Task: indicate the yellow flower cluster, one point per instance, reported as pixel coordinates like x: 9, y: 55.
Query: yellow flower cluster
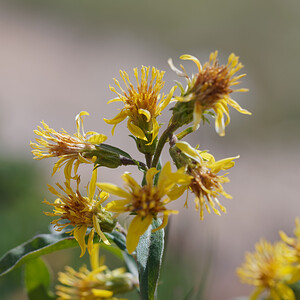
x: 273, y: 267
x: 197, y: 171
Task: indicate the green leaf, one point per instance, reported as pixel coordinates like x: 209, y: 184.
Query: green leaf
x: 37, y: 246
x: 114, y: 149
x: 47, y: 243
x: 37, y: 280
x: 118, y: 238
x: 149, y: 258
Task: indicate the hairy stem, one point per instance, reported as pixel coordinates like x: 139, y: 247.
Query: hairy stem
x: 163, y: 139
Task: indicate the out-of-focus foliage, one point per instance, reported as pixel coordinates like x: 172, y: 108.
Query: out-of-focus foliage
x: 20, y: 214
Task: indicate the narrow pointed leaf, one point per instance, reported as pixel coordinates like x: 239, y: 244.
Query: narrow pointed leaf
x: 39, y: 245
x: 149, y: 258
x: 114, y: 149
x: 47, y: 243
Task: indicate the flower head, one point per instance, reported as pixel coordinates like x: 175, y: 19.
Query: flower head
x: 146, y: 202
x: 98, y: 284
x: 294, y: 243
x: 269, y: 268
x: 209, y: 89
x: 142, y: 104
x: 81, y: 213
x: 69, y: 149
x: 206, y: 184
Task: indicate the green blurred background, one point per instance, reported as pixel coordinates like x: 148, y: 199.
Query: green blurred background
x: 59, y: 57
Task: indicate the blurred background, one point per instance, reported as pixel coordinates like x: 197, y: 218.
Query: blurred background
x: 58, y: 57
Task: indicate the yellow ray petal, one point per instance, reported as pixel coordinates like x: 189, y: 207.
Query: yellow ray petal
x: 79, y: 235
x: 92, y: 186
x: 235, y: 105
x: 102, y: 293
x: 146, y: 113
x: 137, y: 227
x: 163, y: 224
x: 188, y: 150
x: 219, y: 122
x: 155, y: 130
x: 117, y: 205
x: 163, y: 103
x: 197, y: 115
x: 164, y: 177
x: 136, y: 131
x: 97, y: 139
x: 177, y: 191
x: 130, y: 181
x: 150, y: 175
x: 79, y: 121
x: 94, y: 257
x: 223, y: 164
x: 99, y: 231
x: 117, y: 119
x: 193, y: 58
x: 112, y: 189
x: 91, y: 241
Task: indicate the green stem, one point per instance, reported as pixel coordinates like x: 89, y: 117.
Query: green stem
x: 163, y: 139
x: 184, y: 133
x: 131, y: 162
x: 148, y: 158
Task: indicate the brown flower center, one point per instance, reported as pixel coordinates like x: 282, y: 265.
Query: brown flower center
x: 211, y: 85
x: 203, y: 181
x: 146, y: 201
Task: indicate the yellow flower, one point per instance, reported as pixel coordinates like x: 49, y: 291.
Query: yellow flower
x: 206, y: 184
x: 69, y: 149
x: 146, y: 201
x: 209, y: 89
x: 269, y: 268
x: 81, y: 213
x: 98, y: 284
x: 142, y: 104
x: 295, y: 244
